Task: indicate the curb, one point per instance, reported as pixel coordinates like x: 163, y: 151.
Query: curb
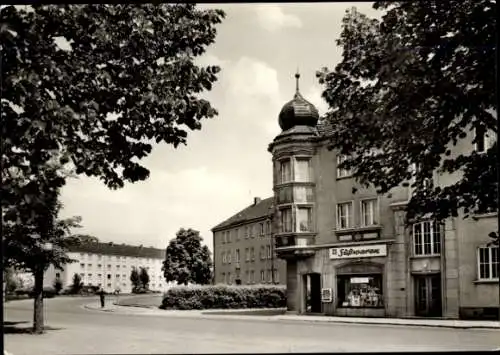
x: 392, y: 323
x: 229, y: 315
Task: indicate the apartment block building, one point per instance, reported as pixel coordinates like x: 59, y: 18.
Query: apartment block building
x: 348, y: 251
x: 243, y: 250
x: 108, y: 265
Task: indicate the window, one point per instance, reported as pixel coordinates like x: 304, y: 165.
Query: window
x: 82, y: 265
x: 342, y: 172
x: 237, y: 234
x: 426, y: 238
x: 99, y: 265
x: 303, y: 170
x: 82, y: 255
x: 109, y: 285
x: 261, y: 225
x: 237, y: 256
x: 223, y: 257
x: 99, y: 257
x: 124, y: 275
x: 247, y: 232
x: 262, y: 276
x: 229, y: 278
x: 252, y: 253
x: 360, y: 291
x: 304, y: 219
x: 229, y: 257
x: 109, y: 266
x: 58, y: 274
x: 99, y: 275
x: 223, y: 276
x: 276, y: 276
x: 117, y: 266
x: 285, y: 171
x: 285, y: 195
x: 109, y: 276
x: 89, y: 275
x: 82, y: 274
x: 344, y: 215
x: 303, y: 194
x: 268, y: 252
x: 369, y: 212
x: 89, y: 265
x: 252, y: 276
x: 117, y: 276
x: 488, y: 263
x: 268, y: 227
x: 247, y: 276
x: 229, y: 236
x: 286, y: 220
x: 247, y: 254
x: 262, y: 252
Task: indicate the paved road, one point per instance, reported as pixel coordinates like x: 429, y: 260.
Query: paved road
x: 83, y: 331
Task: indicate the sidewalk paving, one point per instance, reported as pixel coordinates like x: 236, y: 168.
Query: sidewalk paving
x: 229, y: 314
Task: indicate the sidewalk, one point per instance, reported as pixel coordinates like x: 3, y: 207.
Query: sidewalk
x: 249, y: 314
x: 447, y: 323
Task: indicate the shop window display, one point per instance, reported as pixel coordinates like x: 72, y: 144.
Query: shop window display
x: 360, y: 291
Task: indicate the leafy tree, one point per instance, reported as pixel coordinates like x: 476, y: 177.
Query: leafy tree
x: 58, y: 285
x: 135, y: 279
x: 186, y: 260
x: 126, y: 79
x: 11, y: 282
x: 410, y: 87
x: 144, y: 278
x: 77, y: 284
x: 33, y: 244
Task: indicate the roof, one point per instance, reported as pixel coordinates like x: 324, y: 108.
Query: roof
x: 254, y: 211
x: 118, y: 249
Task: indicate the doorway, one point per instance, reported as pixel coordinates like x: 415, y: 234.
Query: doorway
x: 428, y: 295
x: 312, y: 283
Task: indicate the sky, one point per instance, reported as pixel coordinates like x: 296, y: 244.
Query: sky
x: 225, y: 164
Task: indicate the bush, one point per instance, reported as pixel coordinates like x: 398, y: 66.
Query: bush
x: 224, y: 297
x: 48, y: 292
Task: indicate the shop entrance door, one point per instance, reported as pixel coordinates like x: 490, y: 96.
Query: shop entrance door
x: 313, y: 292
x: 428, y: 295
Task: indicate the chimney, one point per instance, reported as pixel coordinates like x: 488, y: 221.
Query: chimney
x: 256, y: 200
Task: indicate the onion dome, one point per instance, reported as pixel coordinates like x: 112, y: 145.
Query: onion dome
x: 298, y: 112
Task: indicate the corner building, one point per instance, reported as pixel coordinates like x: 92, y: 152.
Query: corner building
x: 348, y: 252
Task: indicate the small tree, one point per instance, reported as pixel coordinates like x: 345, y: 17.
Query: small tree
x: 11, y: 282
x: 135, y: 279
x: 144, y: 278
x: 77, y: 284
x: 58, y: 285
x: 186, y: 260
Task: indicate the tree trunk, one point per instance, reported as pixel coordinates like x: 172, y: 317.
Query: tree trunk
x: 38, y: 306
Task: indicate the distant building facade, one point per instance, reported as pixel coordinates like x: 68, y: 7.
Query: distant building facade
x: 243, y: 250
x: 348, y: 252
x: 108, y: 265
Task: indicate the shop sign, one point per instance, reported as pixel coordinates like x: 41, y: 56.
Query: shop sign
x: 326, y: 295
x: 359, y: 251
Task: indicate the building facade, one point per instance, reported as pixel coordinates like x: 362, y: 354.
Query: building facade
x: 107, y: 265
x: 243, y: 249
x: 347, y: 250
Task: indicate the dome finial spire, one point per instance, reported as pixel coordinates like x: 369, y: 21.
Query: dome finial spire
x: 297, y: 77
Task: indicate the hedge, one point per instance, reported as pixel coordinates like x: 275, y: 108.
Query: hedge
x: 224, y: 297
